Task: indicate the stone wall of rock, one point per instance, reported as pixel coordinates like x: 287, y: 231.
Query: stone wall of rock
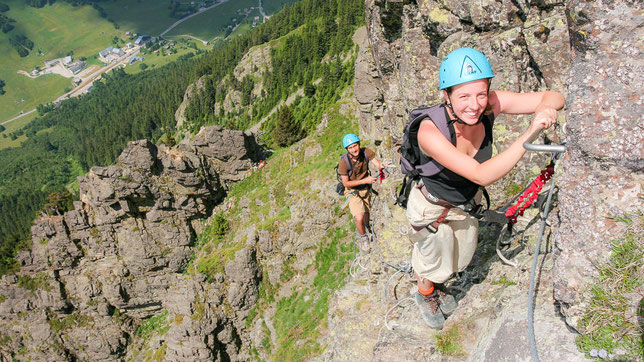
x: 255, y: 63
x: 602, y: 174
x: 97, y: 272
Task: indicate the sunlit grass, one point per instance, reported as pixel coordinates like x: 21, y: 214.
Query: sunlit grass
x: 212, y: 23
x: 14, y: 126
x: 611, y: 321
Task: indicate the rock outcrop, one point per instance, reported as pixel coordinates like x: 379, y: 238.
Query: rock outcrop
x: 602, y: 174
x: 180, y: 114
x: 96, y: 273
x: 255, y: 63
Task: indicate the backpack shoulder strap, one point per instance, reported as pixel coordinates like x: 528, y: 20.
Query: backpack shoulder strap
x: 424, y: 165
x: 364, y: 153
x: 436, y: 114
x: 346, y: 159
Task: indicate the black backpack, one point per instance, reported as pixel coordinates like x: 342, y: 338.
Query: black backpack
x: 413, y: 163
x: 339, y: 188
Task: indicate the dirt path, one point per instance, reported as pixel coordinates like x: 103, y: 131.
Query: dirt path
x: 192, y: 37
x: 261, y: 11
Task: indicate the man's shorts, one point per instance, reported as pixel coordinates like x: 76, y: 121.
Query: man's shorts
x: 360, y: 202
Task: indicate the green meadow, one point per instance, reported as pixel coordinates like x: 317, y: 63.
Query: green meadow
x: 212, y: 23
x: 55, y: 30
x: 149, y: 17
x: 5, y: 140
x: 161, y: 58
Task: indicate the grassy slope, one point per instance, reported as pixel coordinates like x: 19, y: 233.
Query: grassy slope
x: 142, y: 16
x: 12, y: 127
x: 298, y: 318
x: 55, y: 30
x: 212, y: 23
x: 158, y: 59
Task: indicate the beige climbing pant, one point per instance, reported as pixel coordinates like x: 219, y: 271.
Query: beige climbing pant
x: 360, y: 202
x: 450, y: 249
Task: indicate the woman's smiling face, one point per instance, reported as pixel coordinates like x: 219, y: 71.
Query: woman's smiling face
x: 468, y: 100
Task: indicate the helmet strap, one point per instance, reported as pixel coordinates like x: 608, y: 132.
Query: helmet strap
x: 457, y: 120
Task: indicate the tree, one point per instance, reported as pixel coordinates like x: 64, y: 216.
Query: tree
x: 287, y: 131
x: 58, y: 203
x: 36, y: 3
x: 4, y: 7
x: 5, y: 23
x: 143, y: 66
x: 309, y: 90
x: 2, y: 84
x: 21, y: 44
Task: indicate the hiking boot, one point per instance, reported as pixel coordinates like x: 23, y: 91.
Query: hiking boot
x: 446, y: 302
x: 363, y: 242
x: 430, y: 309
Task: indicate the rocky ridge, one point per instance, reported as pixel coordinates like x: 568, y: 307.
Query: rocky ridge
x: 96, y: 272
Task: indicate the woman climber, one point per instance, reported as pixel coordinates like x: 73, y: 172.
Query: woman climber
x: 446, y: 235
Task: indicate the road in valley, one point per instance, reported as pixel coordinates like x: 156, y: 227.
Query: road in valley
x: 189, y: 16
x: 14, y: 118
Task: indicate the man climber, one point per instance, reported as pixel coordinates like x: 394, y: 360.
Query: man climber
x: 357, y: 182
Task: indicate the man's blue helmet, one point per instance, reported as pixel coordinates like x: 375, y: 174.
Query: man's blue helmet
x: 463, y: 65
x: 349, y: 139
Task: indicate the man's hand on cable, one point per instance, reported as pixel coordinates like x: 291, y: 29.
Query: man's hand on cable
x: 369, y: 180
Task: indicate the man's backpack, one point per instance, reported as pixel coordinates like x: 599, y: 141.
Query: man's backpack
x: 339, y: 188
x: 413, y: 163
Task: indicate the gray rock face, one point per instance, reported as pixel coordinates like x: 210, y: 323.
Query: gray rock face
x: 601, y: 176
x: 180, y: 114
x: 243, y: 275
x: 95, y: 273
x: 230, y: 153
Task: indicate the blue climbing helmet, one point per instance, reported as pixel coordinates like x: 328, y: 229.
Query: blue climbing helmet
x: 463, y: 65
x: 349, y: 139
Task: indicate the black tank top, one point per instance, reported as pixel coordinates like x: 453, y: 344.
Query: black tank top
x: 452, y: 187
